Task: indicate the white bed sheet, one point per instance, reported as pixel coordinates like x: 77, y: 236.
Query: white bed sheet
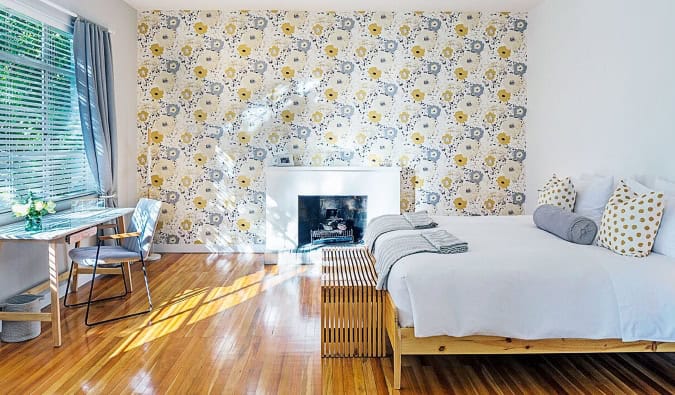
x: 519, y: 281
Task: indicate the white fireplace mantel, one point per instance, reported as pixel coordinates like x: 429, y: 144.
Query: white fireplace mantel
x: 285, y: 184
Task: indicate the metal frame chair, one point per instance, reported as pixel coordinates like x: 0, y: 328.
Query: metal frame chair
x: 74, y: 266
x: 143, y: 225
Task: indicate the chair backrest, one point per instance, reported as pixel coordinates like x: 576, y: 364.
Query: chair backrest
x: 144, y: 220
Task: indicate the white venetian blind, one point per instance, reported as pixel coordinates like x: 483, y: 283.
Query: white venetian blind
x: 41, y: 147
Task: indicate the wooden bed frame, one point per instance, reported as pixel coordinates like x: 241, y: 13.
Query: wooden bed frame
x: 404, y: 342
x: 349, y: 274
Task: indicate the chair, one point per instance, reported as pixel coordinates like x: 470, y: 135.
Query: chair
x: 75, y: 270
x: 134, y: 246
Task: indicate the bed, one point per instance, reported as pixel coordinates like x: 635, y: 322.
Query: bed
x: 522, y: 290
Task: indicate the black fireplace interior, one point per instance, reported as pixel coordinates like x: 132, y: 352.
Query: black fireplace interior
x: 331, y: 219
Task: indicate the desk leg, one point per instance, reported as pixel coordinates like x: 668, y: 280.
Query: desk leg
x: 54, y: 293
x: 121, y: 228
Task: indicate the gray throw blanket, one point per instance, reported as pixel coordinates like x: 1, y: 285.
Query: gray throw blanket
x: 389, y: 223
x: 419, y: 219
x: 391, y: 251
x: 445, y: 242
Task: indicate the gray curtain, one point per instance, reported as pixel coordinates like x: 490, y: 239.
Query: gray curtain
x: 94, y: 76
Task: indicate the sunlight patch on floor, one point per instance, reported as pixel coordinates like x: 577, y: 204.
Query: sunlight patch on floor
x: 192, y: 306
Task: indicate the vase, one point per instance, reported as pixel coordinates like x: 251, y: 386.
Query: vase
x: 33, y: 224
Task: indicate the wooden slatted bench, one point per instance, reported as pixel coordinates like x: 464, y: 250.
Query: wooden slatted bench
x: 352, y: 310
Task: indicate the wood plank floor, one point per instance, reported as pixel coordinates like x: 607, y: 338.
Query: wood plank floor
x: 227, y: 324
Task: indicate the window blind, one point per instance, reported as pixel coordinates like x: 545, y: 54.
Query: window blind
x: 41, y: 147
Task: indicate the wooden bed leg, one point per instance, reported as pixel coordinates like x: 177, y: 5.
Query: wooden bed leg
x: 394, y: 334
x: 397, y: 365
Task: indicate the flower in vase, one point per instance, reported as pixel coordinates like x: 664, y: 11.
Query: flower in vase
x: 20, y: 210
x: 31, y: 206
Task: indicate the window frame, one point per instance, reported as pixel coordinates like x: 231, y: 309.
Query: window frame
x: 48, y: 102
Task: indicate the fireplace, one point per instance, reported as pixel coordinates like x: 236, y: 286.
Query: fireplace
x: 350, y: 190
x: 330, y: 219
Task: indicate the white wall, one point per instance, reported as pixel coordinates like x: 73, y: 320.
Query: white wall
x: 23, y: 265
x: 601, y: 89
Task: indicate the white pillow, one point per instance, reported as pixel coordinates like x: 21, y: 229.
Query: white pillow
x: 668, y: 186
x: 593, y: 192
x: 636, y: 186
x: 665, y: 239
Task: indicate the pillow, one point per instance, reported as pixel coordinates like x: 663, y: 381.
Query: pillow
x: 636, y: 186
x: 664, y: 184
x: 564, y: 224
x: 665, y: 239
x: 631, y: 221
x: 593, y: 192
x: 558, y: 192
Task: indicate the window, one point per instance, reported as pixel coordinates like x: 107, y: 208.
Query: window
x: 41, y: 147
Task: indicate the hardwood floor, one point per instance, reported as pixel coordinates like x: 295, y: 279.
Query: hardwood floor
x: 520, y: 374
x: 227, y: 324
x: 222, y: 324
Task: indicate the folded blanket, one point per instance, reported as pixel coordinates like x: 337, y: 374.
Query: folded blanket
x: 420, y: 220
x: 395, y: 248
x: 445, y: 242
x: 389, y: 223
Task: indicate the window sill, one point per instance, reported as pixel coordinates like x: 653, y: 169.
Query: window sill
x: 6, y: 217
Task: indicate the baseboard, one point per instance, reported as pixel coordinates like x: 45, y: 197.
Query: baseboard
x: 207, y: 249
x: 292, y: 257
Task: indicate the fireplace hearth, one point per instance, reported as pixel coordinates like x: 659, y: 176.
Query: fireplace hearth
x: 331, y: 219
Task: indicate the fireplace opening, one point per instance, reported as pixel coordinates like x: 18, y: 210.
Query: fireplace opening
x: 331, y: 219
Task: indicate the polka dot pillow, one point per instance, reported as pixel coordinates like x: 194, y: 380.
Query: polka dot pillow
x: 630, y: 221
x: 558, y: 192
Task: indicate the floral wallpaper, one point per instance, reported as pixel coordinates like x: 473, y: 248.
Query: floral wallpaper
x: 220, y: 94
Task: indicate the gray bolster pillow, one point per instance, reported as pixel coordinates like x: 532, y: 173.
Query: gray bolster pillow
x: 565, y: 224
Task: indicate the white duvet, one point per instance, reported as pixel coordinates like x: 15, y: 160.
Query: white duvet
x: 519, y: 281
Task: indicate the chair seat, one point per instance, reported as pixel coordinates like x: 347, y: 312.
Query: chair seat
x: 109, y: 256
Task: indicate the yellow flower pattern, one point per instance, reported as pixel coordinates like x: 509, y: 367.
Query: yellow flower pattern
x: 221, y: 93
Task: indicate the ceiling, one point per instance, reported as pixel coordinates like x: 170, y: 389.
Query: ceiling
x: 341, y: 5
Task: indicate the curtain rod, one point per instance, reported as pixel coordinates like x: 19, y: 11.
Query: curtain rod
x: 66, y: 11
x: 59, y: 8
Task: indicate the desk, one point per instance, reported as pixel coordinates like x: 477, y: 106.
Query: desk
x: 59, y: 228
